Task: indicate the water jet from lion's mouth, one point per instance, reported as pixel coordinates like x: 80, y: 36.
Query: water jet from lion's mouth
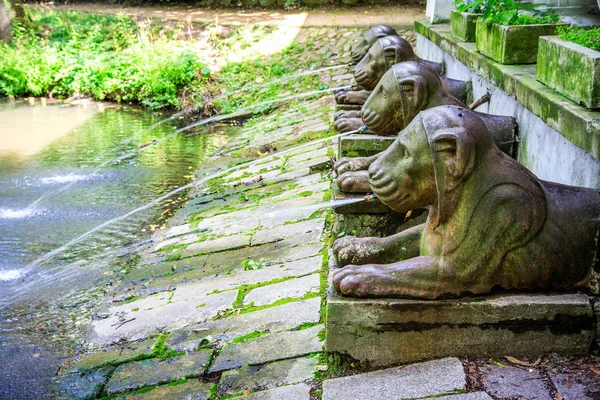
x: 281, y: 80
x: 25, y: 272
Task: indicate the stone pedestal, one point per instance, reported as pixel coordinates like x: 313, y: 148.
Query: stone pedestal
x: 363, y: 145
x: 383, y: 332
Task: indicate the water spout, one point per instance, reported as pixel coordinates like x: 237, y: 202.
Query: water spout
x: 279, y: 80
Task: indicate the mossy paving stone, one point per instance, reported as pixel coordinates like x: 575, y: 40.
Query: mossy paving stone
x: 193, y: 389
x: 422, y: 380
x: 293, y: 392
x: 76, y: 384
x: 278, y: 318
x: 152, y: 372
x: 268, y: 376
x: 118, y: 353
x: 293, y: 288
x: 242, y: 277
x: 272, y: 347
x: 133, y: 322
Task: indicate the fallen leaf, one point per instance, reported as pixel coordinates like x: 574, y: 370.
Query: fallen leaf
x: 524, y: 363
x: 594, y: 370
x: 557, y: 396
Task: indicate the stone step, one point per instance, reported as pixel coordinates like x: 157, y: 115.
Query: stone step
x: 363, y: 145
x: 388, y: 331
x: 423, y: 380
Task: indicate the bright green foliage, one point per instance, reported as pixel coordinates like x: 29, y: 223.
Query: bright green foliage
x: 589, y: 38
x: 507, y: 12
x: 107, y: 57
x: 470, y: 6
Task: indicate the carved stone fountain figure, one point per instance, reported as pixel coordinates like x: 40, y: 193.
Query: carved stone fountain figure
x: 405, y: 90
x: 360, y: 49
x: 386, y: 52
x: 492, y: 224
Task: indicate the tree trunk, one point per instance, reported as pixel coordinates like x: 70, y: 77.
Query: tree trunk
x: 5, y: 16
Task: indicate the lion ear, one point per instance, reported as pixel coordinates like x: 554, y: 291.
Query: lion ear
x: 393, y: 56
x: 415, y: 95
x: 454, y: 152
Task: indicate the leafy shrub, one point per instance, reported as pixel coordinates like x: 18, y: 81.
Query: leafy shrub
x: 589, y: 38
x: 507, y: 12
x: 106, y: 57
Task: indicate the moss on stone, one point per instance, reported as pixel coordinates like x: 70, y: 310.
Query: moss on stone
x: 557, y: 56
x: 511, y: 44
x: 463, y: 25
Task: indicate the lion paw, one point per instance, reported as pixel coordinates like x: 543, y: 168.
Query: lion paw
x: 352, y: 281
x: 354, y: 182
x: 347, y: 124
x: 346, y: 114
x: 346, y: 164
x: 353, y: 250
x: 350, y: 97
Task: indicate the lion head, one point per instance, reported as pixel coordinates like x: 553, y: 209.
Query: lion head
x: 369, y: 38
x: 384, y: 53
x: 434, y: 156
x: 404, y: 90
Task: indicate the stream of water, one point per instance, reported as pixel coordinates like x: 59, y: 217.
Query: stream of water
x: 64, y: 171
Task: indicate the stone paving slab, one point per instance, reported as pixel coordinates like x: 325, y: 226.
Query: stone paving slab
x: 569, y: 389
x: 131, y: 323
x: 117, y: 353
x: 287, y: 231
x: 82, y: 385
x: 294, y: 288
x: 426, y: 379
x: 268, y: 376
x: 272, y: 347
x: 511, y: 381
x: 241, y: 277
x: 151, y: 372
x: 273, y: 319
x: 220, y: 244
x: 293, y: 392
x: 464, y: 396
x: 193, y: 389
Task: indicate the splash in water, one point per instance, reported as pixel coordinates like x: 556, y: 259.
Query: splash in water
x: 9, y: 213
x: 70, y: 178
x: 10, y: 275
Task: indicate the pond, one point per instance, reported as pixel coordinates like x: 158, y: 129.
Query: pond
x: 65, y: 170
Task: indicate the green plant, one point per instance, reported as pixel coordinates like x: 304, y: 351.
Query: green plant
x: 512, y: 12
x: 470, y: 6
x: 589, y: 38
x: 65, y: 53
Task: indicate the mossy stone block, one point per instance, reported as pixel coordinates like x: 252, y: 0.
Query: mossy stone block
x: 463, y: 25
x: 570, y: 69
x: 363, y: 145
x: 516, y: 44
x: 390, y: 331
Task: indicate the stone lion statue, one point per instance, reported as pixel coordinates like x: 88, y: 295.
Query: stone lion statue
x: 386, y: 52
x: 403, y: 91
x: 360, y: 49
x: 492, y: 224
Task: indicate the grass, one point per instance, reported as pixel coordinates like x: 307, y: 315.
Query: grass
x: 589, y: 38
x: 65, y: 53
